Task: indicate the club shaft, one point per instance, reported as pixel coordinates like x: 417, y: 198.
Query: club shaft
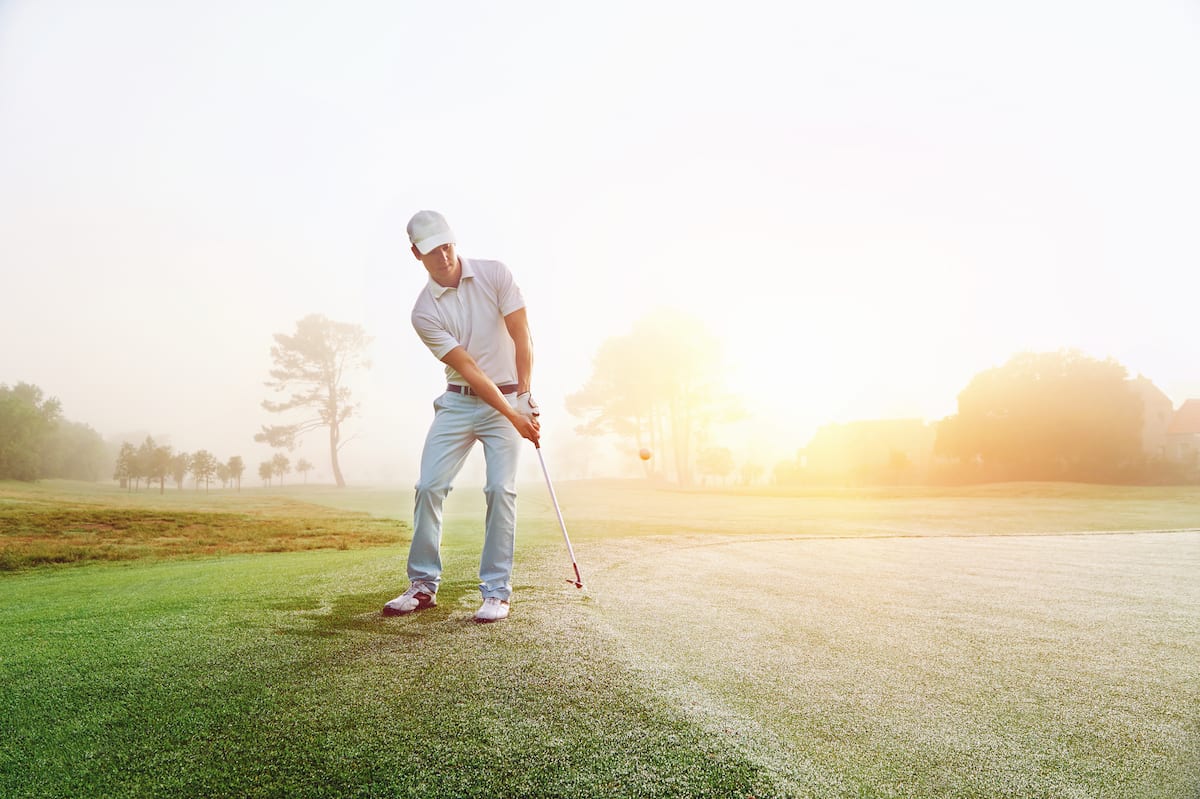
x: 562, y: 524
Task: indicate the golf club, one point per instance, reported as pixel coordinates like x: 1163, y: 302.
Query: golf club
x: 578, y: 581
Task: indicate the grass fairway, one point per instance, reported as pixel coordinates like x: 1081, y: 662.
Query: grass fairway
x: 895, y: 644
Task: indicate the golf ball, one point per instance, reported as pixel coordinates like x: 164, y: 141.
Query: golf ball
x: 644, y: 454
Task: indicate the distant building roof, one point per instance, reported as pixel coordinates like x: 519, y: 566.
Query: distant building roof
x: 1186, y: 419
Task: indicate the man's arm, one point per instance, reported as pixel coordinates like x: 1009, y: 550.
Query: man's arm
x: 518, y: 328
x: 482, y: 385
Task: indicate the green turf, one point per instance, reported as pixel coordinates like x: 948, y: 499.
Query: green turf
x: 275, y: 676
x: 756, y: 646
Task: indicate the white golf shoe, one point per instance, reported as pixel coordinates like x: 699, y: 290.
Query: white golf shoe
x: 415, y: 598
x: 492, y: 609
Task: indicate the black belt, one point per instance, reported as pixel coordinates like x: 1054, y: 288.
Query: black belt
x: 511, y: 388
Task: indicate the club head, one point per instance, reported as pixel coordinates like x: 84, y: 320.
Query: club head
x: 575, y: 583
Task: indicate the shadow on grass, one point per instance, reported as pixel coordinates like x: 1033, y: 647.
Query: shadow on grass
x: 361, y: 613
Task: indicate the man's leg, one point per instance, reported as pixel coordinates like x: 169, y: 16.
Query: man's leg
x: 501, y: 448
x: 447, y: 445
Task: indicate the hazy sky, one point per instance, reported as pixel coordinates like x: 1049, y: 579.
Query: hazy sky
x: 867, y: 202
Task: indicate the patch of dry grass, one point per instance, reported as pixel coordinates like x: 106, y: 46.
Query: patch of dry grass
x: 40, y: 526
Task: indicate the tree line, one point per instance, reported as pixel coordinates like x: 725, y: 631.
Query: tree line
x: 281, y: 465
x: 36, y: 442
x: 1057, y: 416
x: 156, y: 463
x: 1046, y: 416
x: 311, y: 367
x: 1041, y: 416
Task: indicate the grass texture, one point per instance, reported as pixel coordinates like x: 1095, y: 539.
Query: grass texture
x: 40, y: 526
x: 746, y: 648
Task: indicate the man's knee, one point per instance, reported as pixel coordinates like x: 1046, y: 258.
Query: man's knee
x: 499, y: 490
x: 432, y: 490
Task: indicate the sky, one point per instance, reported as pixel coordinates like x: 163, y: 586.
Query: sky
x: 866, y: 202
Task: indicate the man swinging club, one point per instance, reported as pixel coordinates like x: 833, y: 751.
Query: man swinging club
x: 471, y: 315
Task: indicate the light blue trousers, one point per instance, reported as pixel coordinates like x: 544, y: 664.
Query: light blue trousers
x: 458, y: 422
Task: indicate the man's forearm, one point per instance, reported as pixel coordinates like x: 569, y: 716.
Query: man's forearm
x: 480, y: 383
x: 487, y: 391
x: 517, y: 323
x: 524, y: 365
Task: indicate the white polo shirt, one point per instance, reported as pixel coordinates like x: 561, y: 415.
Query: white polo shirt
x: 471, y: 316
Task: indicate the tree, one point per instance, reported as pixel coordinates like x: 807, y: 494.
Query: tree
x: 74, y: 451
x: 125, y: 465
x: 1046, y: 416
x: 236, y: 468
x: 280, y: 465
x: 154, y: 462
x: 223, y: 474
x: 715, y: 462
x: 181, y: 464
x: 659, y: 386
x: 203, y: 467
x: 790, y: 472
x: 265, y: 471
x: 304, y: 467
x: 751, y: 473
x: 898, y: 464
x: 313, y: 365
x: 36, y: 441
x: 27, y: 419
x: 133, y: 464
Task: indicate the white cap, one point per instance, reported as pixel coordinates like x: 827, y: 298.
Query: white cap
x: 428, y: 230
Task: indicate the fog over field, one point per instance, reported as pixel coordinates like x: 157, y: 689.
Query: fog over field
x: 865, y: 204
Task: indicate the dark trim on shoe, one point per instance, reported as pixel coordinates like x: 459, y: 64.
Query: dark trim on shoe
x: 424, y: 602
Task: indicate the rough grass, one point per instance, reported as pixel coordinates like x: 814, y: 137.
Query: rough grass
x: 50, y: 524
x: 725, y: 646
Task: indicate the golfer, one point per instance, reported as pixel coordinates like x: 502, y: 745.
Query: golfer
x: 471, y: 315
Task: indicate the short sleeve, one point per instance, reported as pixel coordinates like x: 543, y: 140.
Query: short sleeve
x: 508, y: 293
x: 435, y: 336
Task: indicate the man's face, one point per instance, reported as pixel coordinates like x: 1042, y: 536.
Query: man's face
x: 441, y: 263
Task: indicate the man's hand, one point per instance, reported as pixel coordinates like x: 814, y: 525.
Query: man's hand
x: 526, y: 406
x: 528, y: 427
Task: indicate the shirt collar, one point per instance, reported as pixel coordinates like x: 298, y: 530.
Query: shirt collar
x: 437, y: 289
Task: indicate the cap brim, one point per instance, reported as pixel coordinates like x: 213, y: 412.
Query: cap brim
x: 426, y: 246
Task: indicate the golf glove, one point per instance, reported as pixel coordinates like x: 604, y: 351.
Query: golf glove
x: 526, y: 406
